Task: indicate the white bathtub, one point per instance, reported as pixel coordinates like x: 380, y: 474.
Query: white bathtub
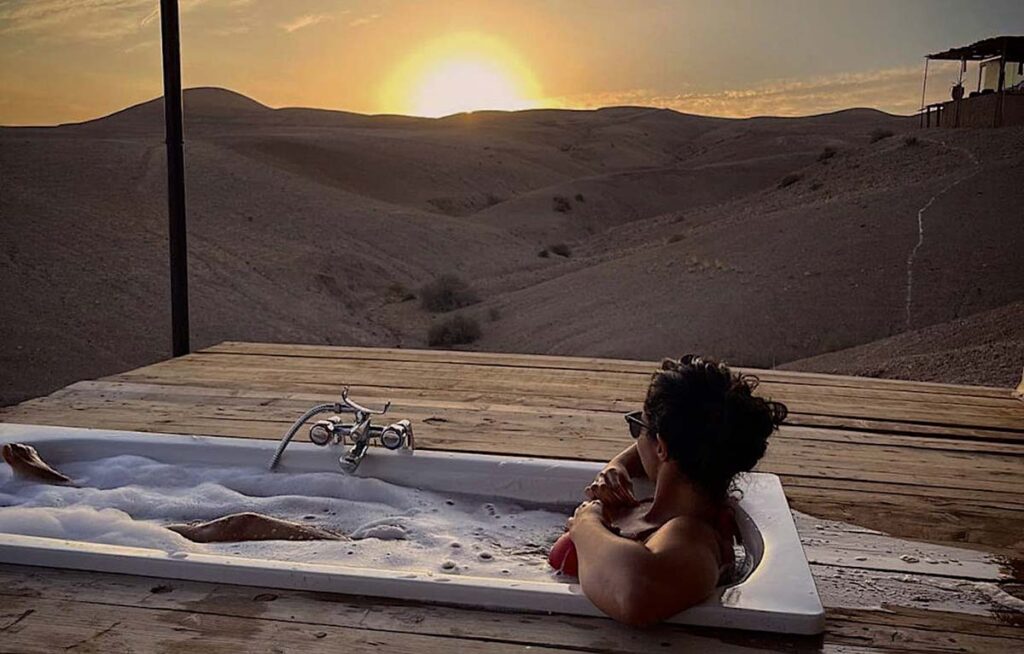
x: 778, y: 595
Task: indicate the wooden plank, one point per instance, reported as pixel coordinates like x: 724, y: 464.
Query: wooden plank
x: 295, y: 370
x: 832, y: 544
x: 581, y: 383
x: 581, y: 363
x: 130, y: 391
x: 451, y: 625
x: 784, y: 388
x: 46, y: 626
x: 589, y: 435
x: 935, y: 520
x: 899, y: 427
x: 858, y: 611
x: 321, y: 392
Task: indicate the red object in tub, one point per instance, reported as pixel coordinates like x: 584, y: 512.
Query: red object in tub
x: 563, y: 556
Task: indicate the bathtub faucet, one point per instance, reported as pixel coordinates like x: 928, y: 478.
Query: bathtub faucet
x: 359, y: 433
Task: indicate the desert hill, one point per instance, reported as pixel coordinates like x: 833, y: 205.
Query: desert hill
x: 762, y: 240
x: 984, y: 348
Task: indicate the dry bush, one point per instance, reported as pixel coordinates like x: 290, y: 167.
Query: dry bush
x: 827, y: 154
x: 544, y: 254
x: 561, y: 204
x: 397, y: 292
x: 910, y: 141
x: 675, y: 238
x: 456, y: 330
x: 561, y: 249
x: 790, y: 179
x: 446, y: 293
x: 879, y: 134
x: 579, y: 197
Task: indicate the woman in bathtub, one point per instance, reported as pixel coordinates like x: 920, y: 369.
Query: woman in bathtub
x: 644, y: 561
x: 638, y: 561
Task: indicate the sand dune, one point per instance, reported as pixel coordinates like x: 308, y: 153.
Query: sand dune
x: 312, y: 226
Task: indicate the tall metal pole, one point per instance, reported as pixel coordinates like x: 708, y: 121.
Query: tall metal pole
x: 175, y: 176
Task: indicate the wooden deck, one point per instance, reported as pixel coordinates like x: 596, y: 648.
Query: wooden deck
x: 914, y: 495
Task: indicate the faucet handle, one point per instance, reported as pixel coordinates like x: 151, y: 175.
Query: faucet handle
x: 358, y: 408
x: 321, y: 432
x: 397, y: 435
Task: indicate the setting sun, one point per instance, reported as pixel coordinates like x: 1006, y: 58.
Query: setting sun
x: 463, y: 72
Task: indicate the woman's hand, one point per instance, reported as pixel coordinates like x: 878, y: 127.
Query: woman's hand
x: 613, y: 486
x: 591, y: 510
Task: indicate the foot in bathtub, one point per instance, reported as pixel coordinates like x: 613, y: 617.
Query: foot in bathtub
x: 27, y: 464
x: 249, y: 526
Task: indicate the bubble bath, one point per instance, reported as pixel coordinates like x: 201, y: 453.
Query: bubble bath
x: 128, y: 500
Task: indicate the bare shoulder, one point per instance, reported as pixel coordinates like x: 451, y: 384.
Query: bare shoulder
x: 687, y: 543
x: 683, y: 570
x: 687, y: 530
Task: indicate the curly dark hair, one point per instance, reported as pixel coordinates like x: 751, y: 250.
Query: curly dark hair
x: 713, y: 425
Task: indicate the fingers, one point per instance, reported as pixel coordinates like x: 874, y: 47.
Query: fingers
x: 620, y: 487
x: 613, y: 487
x: 626, y: 488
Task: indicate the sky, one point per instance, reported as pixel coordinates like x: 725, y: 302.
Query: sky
x: 72, y: 60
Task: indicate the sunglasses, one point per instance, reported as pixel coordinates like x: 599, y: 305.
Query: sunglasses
x: 636, y: 424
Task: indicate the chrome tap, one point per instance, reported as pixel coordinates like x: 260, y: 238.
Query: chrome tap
x: 359, y: 433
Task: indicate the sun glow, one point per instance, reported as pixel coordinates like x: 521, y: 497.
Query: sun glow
x: 462, y: 72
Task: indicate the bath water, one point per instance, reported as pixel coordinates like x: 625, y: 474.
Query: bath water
x: 128, y: 500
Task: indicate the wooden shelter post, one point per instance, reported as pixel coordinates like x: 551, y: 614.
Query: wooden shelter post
x: 924, y: 85
x: 1000, y: 89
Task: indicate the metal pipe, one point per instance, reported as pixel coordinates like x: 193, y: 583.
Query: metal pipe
x: 175, y: 176
x: 287, y: 438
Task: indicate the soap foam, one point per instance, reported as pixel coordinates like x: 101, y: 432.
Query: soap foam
x: 129, y: 500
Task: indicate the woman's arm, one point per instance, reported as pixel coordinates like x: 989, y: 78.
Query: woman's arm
x: 629, y: 460
x: 640, y: 584
x: 614, y: 484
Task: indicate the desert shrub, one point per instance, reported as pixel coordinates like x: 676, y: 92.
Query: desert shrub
x: 816, y: 185
x: 579, y: 197
x: 827, y: 154
x: 561, y: 249
x: 544, y: 254
x: 675, y: 238
x: 446, y: 293
x: 397, y: 292
x: 878, y: 134
x: 910, y: 141
x: 561, y: 204
x: 493, y: 314
x: 456, y: 330
x: 790, y: 179
x: 491, y: 199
